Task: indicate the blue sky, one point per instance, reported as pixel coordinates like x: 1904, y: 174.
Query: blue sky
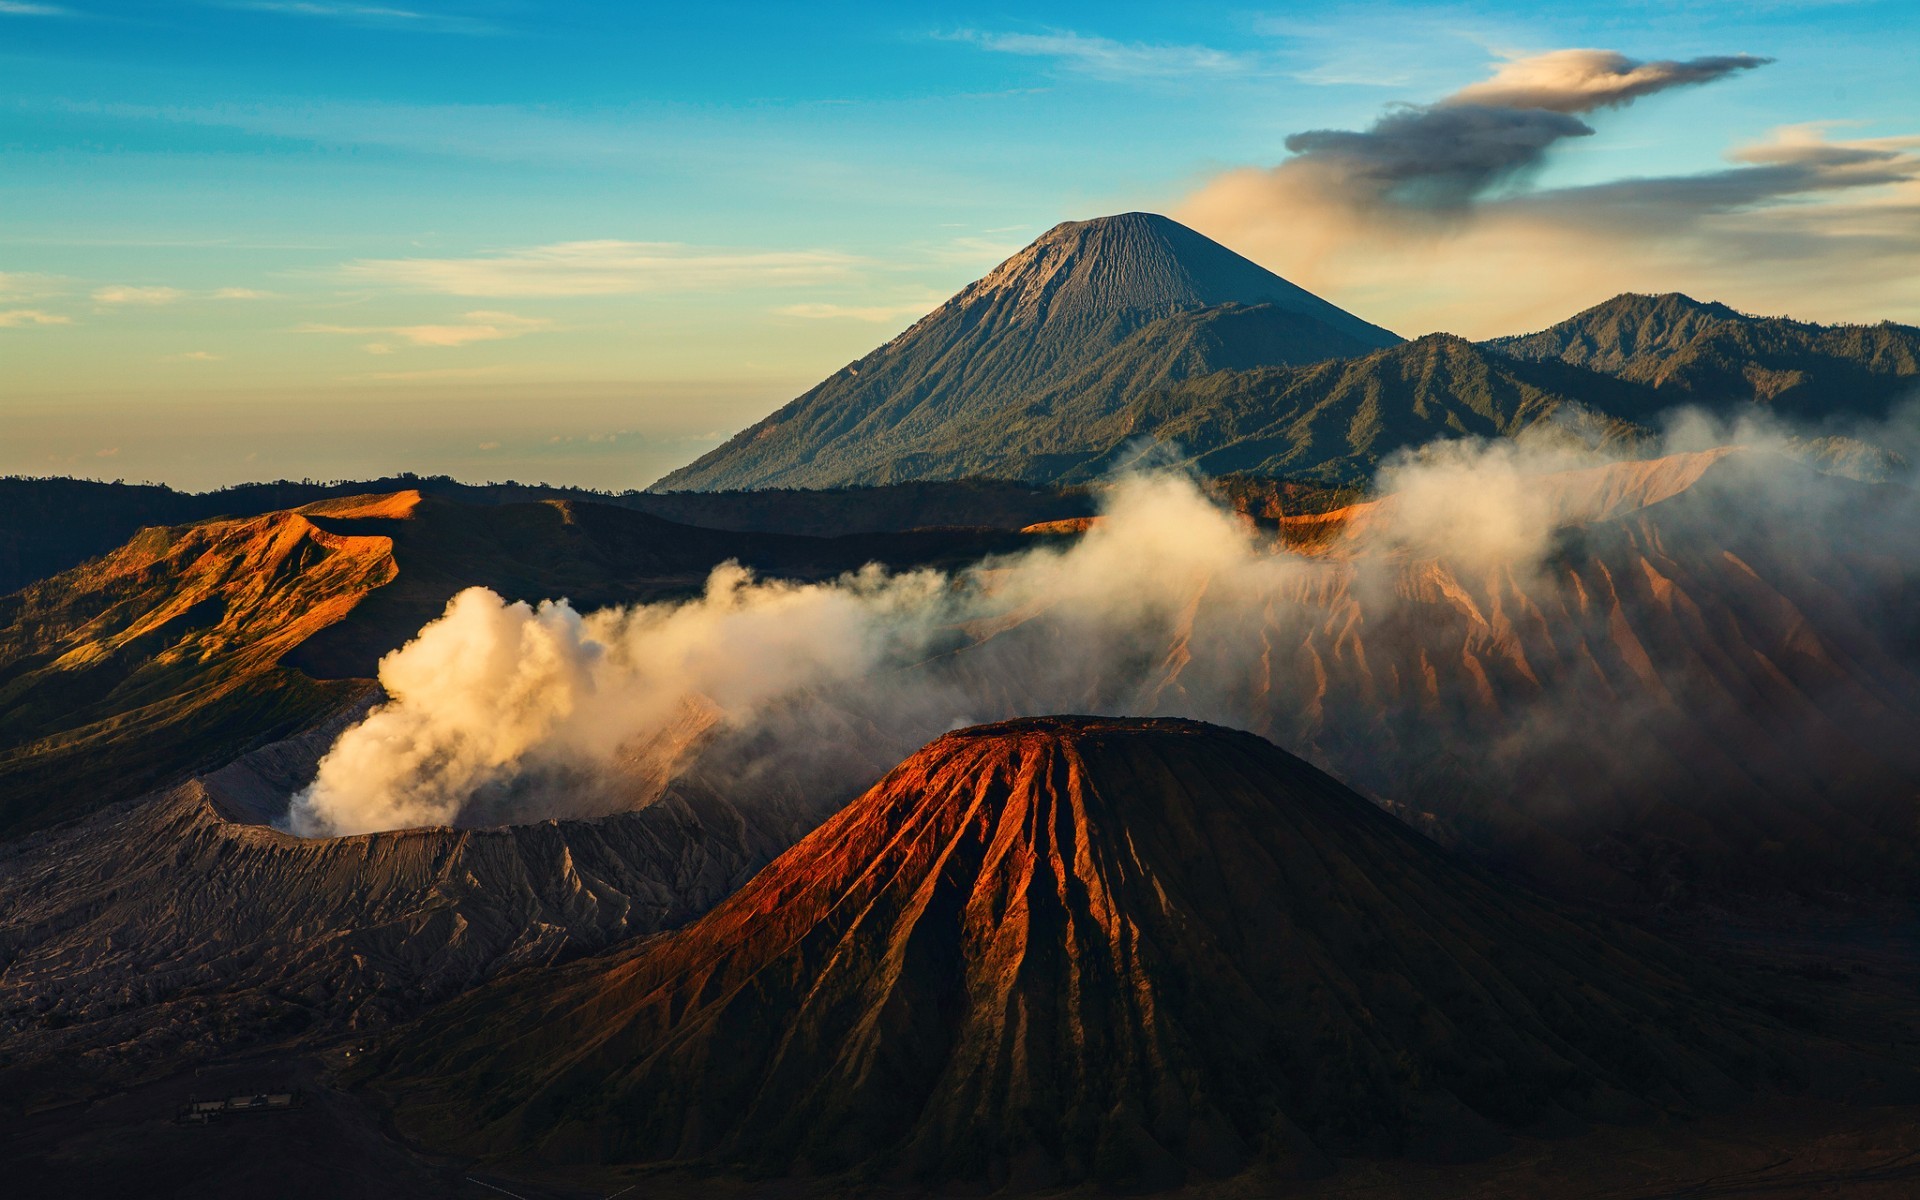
x: 584, y: 241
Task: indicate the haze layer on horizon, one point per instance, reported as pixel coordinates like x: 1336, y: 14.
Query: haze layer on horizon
x: 257, y: 239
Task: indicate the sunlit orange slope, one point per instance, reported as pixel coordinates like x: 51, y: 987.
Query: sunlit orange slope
x: 165, y: 655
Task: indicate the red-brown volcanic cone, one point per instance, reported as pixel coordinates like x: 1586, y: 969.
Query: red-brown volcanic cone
x: 1053, y: 949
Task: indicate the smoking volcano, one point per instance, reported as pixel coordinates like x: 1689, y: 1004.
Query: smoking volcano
x: 1130, y: 950
x: 1649, y: 680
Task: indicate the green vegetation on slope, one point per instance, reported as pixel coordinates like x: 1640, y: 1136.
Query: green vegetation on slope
x: 1330, y: 422
x: 1703, y: 353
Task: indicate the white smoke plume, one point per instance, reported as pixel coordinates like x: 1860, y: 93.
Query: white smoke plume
x: 1424, y: 624
x: 493, y: 692
x: 495, y: 706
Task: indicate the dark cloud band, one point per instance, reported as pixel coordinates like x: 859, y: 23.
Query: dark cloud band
x: 1441, y: 157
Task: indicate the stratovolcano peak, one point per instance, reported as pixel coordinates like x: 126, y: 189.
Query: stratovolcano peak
x: 1131, y: 300
x: 1142, y: 262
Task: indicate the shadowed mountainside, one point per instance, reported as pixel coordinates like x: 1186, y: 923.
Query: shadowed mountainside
x: 1133, y: 951
x: 1008, y: 380
x: 1134, y: 301
x: 1330, y: 422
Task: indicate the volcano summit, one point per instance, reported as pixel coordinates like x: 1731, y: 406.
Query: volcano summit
x: 1067, y: 948
x: 1123, y: 302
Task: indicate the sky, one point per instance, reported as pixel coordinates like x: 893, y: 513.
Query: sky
x: 584, y: 242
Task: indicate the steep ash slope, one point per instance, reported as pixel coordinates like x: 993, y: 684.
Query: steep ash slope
x: 1055, y: 949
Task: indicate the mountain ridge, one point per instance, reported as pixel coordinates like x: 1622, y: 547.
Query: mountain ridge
x: 50, y: 525
x: 1695, y: 352
x: 1329, y: 422
x: 1258, y: 388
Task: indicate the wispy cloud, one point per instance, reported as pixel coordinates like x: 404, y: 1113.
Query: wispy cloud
x: 476, y: 327
x: 1438, y: 159
x: 373, y: 16
x: 129, y: 294
x: 876, y: 313
x: 604, y: 268
x: 428, y: 374
x: 1380, y: 44
x: 13, y: 8
x: 194, y: 356
x: 1580, y: 81
x: 20, y: 285
x: 1105, y: 58
x: 17, y: 317
x: 492, y: 132
x: 154, y: 295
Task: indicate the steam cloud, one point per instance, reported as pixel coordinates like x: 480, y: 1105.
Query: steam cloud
x: 1169, y: 605
x: 496, y: 707
x: 494, y: 693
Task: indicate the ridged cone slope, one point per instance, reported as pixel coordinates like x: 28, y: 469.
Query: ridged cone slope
x: 1141, y: 262
x: 1110, y: 296
x: 1137, y: 951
